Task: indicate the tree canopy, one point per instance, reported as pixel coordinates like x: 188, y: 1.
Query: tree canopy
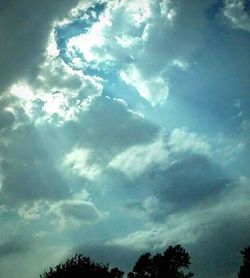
x: 245, y: 268
x: 171, y: 264
x: 80, y: 267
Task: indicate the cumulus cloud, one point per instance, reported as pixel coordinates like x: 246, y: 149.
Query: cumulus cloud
x: 186, y: 183
x: 7, y: 118
x: 75, y: 212
x: 77, y: 152
x: 154, y: 89
x: 181, y: 140
x: 109, y: 126
x: 78, y: 161
x: 57, y: 95
x: 13, y: 246
x: 71, y: 213
x: 151, y: 32
x: 28, y: 170
x: 135, y: 160
x: 190, y: 181
x: 29, y: 30
x: 216, y: 230
x: 237, y: 14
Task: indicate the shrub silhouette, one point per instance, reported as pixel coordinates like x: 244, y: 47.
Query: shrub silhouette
x: 170, y: 264
x: 245, y: 268
x: 81, y: 267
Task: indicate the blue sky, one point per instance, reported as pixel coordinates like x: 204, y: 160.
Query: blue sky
x: 124, y: 128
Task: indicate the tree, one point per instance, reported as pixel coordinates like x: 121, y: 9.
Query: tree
x: 81, y: 267
x: 143, y: 267
x: 245, y: 268
x: 170, y: 264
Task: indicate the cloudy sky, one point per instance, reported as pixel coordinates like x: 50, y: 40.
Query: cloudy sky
x: 124, y: 128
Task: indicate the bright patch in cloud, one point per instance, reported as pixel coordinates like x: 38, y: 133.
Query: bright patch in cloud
x: 235, y: 12
x: 22, y: 91
x: 79, y: 162
x: 181, y: 140
x: 135, y: 160
x: 154, y: 89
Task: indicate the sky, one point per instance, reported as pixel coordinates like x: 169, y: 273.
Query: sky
x: 124, y: 128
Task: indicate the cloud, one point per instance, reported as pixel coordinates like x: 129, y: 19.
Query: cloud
x: 186, y: 183
x: 13, y: 246
x: 213, y: 234
x: 33, y: 262
x: 181, y: 140
x: 29, y: 30
x: 108, y: 127
x: 135, y: 160
x: 7, y: 118
x: 73, y: 213
x: 237, y: 14
x: 154, y: 89
x: 58, y: 94
x: 28, y: 170
x: 141, y: 44
x: 73, y: 86
x: 78, y: 161
x: 107, y: 252
x: 216, y: 252
x: 245, y: 125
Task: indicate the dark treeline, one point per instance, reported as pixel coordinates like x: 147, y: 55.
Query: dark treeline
x: 172, y: 263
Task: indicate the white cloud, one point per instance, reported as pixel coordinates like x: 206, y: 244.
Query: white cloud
x: 228, y: 150
x: 154, y: 89
x: 70, y: 213
x: 180, y: 64
x: 245, y: 125
x: 135, y: 160
x: 86, y: 42
x: 34, y: 210
x: 181, y: 140
x: 141, y: 40
x: 58, y: 94
x: 79, y: 162
x: 235, y: 12
x: 76, y: 212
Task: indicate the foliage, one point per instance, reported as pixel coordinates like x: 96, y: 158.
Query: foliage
x: 245, y: 268
x: 80, y: 267
x: 170, y: 264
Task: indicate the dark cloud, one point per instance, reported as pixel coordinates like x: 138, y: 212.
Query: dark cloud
x: 13, y: 246
x: 7, y: 118
x: 24, y: 29
x: 28, y: 167
x: 110, y: 127
x: 190, y: 181
x: 216, y: 253
x: 79, y: 211
x: 120, y: 256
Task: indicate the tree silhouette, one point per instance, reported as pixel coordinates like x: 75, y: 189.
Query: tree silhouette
x: 245, y: 268
x: 169, y: 265
x: 81, y: 267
